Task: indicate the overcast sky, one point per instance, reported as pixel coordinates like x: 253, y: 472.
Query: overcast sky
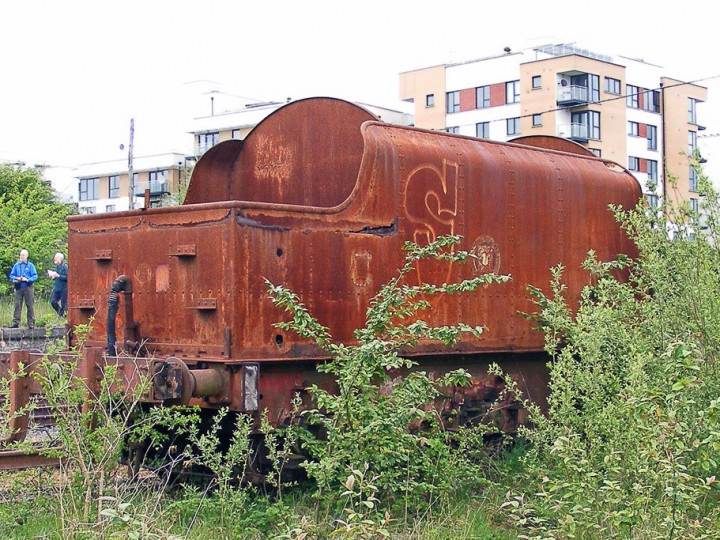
x: 75, y: 72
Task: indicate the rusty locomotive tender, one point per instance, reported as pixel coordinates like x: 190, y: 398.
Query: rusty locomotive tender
x: 320, y: 198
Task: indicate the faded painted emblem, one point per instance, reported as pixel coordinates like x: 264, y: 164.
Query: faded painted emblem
x: 142, y: 273
x: 486, y: 254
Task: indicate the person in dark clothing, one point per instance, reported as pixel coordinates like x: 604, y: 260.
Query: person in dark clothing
x: 58, y: 298
x: 23, y: 275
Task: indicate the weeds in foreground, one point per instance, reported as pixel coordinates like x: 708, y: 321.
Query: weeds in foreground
x: 367, y: 420
x: 630, y: 446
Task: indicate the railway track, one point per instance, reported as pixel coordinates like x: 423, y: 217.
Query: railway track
x: 29, y: 429
x: 41, y: 437
x: 12, y: 460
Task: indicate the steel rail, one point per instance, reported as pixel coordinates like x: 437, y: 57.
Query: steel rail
x: 17, y: 459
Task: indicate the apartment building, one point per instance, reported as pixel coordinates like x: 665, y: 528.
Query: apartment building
x: 104, y: 186
x: 622, y: 109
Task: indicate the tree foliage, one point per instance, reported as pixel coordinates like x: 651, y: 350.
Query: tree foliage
x: 31, y: 217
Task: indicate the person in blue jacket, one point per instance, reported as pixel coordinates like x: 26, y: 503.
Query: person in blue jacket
x: 23, y: 275
x: 58, y: 299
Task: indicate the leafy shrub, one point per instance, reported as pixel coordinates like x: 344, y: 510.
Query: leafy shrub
x: 368, y: 420
x: 630, y: 444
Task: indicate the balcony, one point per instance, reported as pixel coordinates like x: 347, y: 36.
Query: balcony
x: 571, y: 96
x: 200, y: 149
x: 156, y: 188
x: 575, y: 132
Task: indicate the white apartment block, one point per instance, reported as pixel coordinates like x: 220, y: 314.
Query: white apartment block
x: 622, y: 109
x: 104, y: 186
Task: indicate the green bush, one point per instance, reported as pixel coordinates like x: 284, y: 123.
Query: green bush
x: 366, y: 425
x: 630, y: 445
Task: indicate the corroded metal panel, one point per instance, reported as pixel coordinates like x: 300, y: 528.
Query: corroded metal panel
x: 320, y: 198
x: 307, y: 153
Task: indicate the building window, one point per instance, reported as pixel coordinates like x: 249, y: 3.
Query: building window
x: 207, y: 141
x: 587, y: 86
x: 513, y: 126
x: 453, y: 101
x: 235, y: 134
x: 158, y: 176
x: 512, y: 92
x: 482, y: 97
x: 693, y: 185
x: 482, y: 130
x: 652, y: 137
x: 634, y: 163
x: 585, y: 125
x: 453, y: 129
x: 594, y: 87
x: 692, y: 142
x: 692, y: 110
x: 652, y: 170
x: 596, y: 151
x: 653, y: 201
x: 537, y: 81
x: 88, y: 210
x: 634, y: 129
x: 110, y: 208
x: 537, y: 120
x: 430, y: 100
x: 88, y: 189
x: 651, y: 100
x: 158, y: 181
x: 114, y: 184
x: 694, y: 206
x: 579, y: 126
x: 594, y: 125
x: 633, y: 96
x: 612, y: 86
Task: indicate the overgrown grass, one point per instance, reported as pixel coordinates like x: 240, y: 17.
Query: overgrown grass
x: 44, y: 313
x: 27, y: 510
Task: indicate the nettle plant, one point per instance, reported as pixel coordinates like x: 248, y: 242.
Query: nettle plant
x: 367, y: 420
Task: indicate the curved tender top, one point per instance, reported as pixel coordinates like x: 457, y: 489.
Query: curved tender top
x: 305, y: 153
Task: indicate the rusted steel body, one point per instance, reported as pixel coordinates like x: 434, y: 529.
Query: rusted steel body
x: 320, y: 198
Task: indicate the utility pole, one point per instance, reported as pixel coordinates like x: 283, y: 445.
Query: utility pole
x: 131, y: 190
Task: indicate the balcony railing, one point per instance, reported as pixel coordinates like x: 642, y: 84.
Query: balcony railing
x: 569, y: 96
x: 156, y: 188
x: 574, y: 132
x: 201, y: 148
